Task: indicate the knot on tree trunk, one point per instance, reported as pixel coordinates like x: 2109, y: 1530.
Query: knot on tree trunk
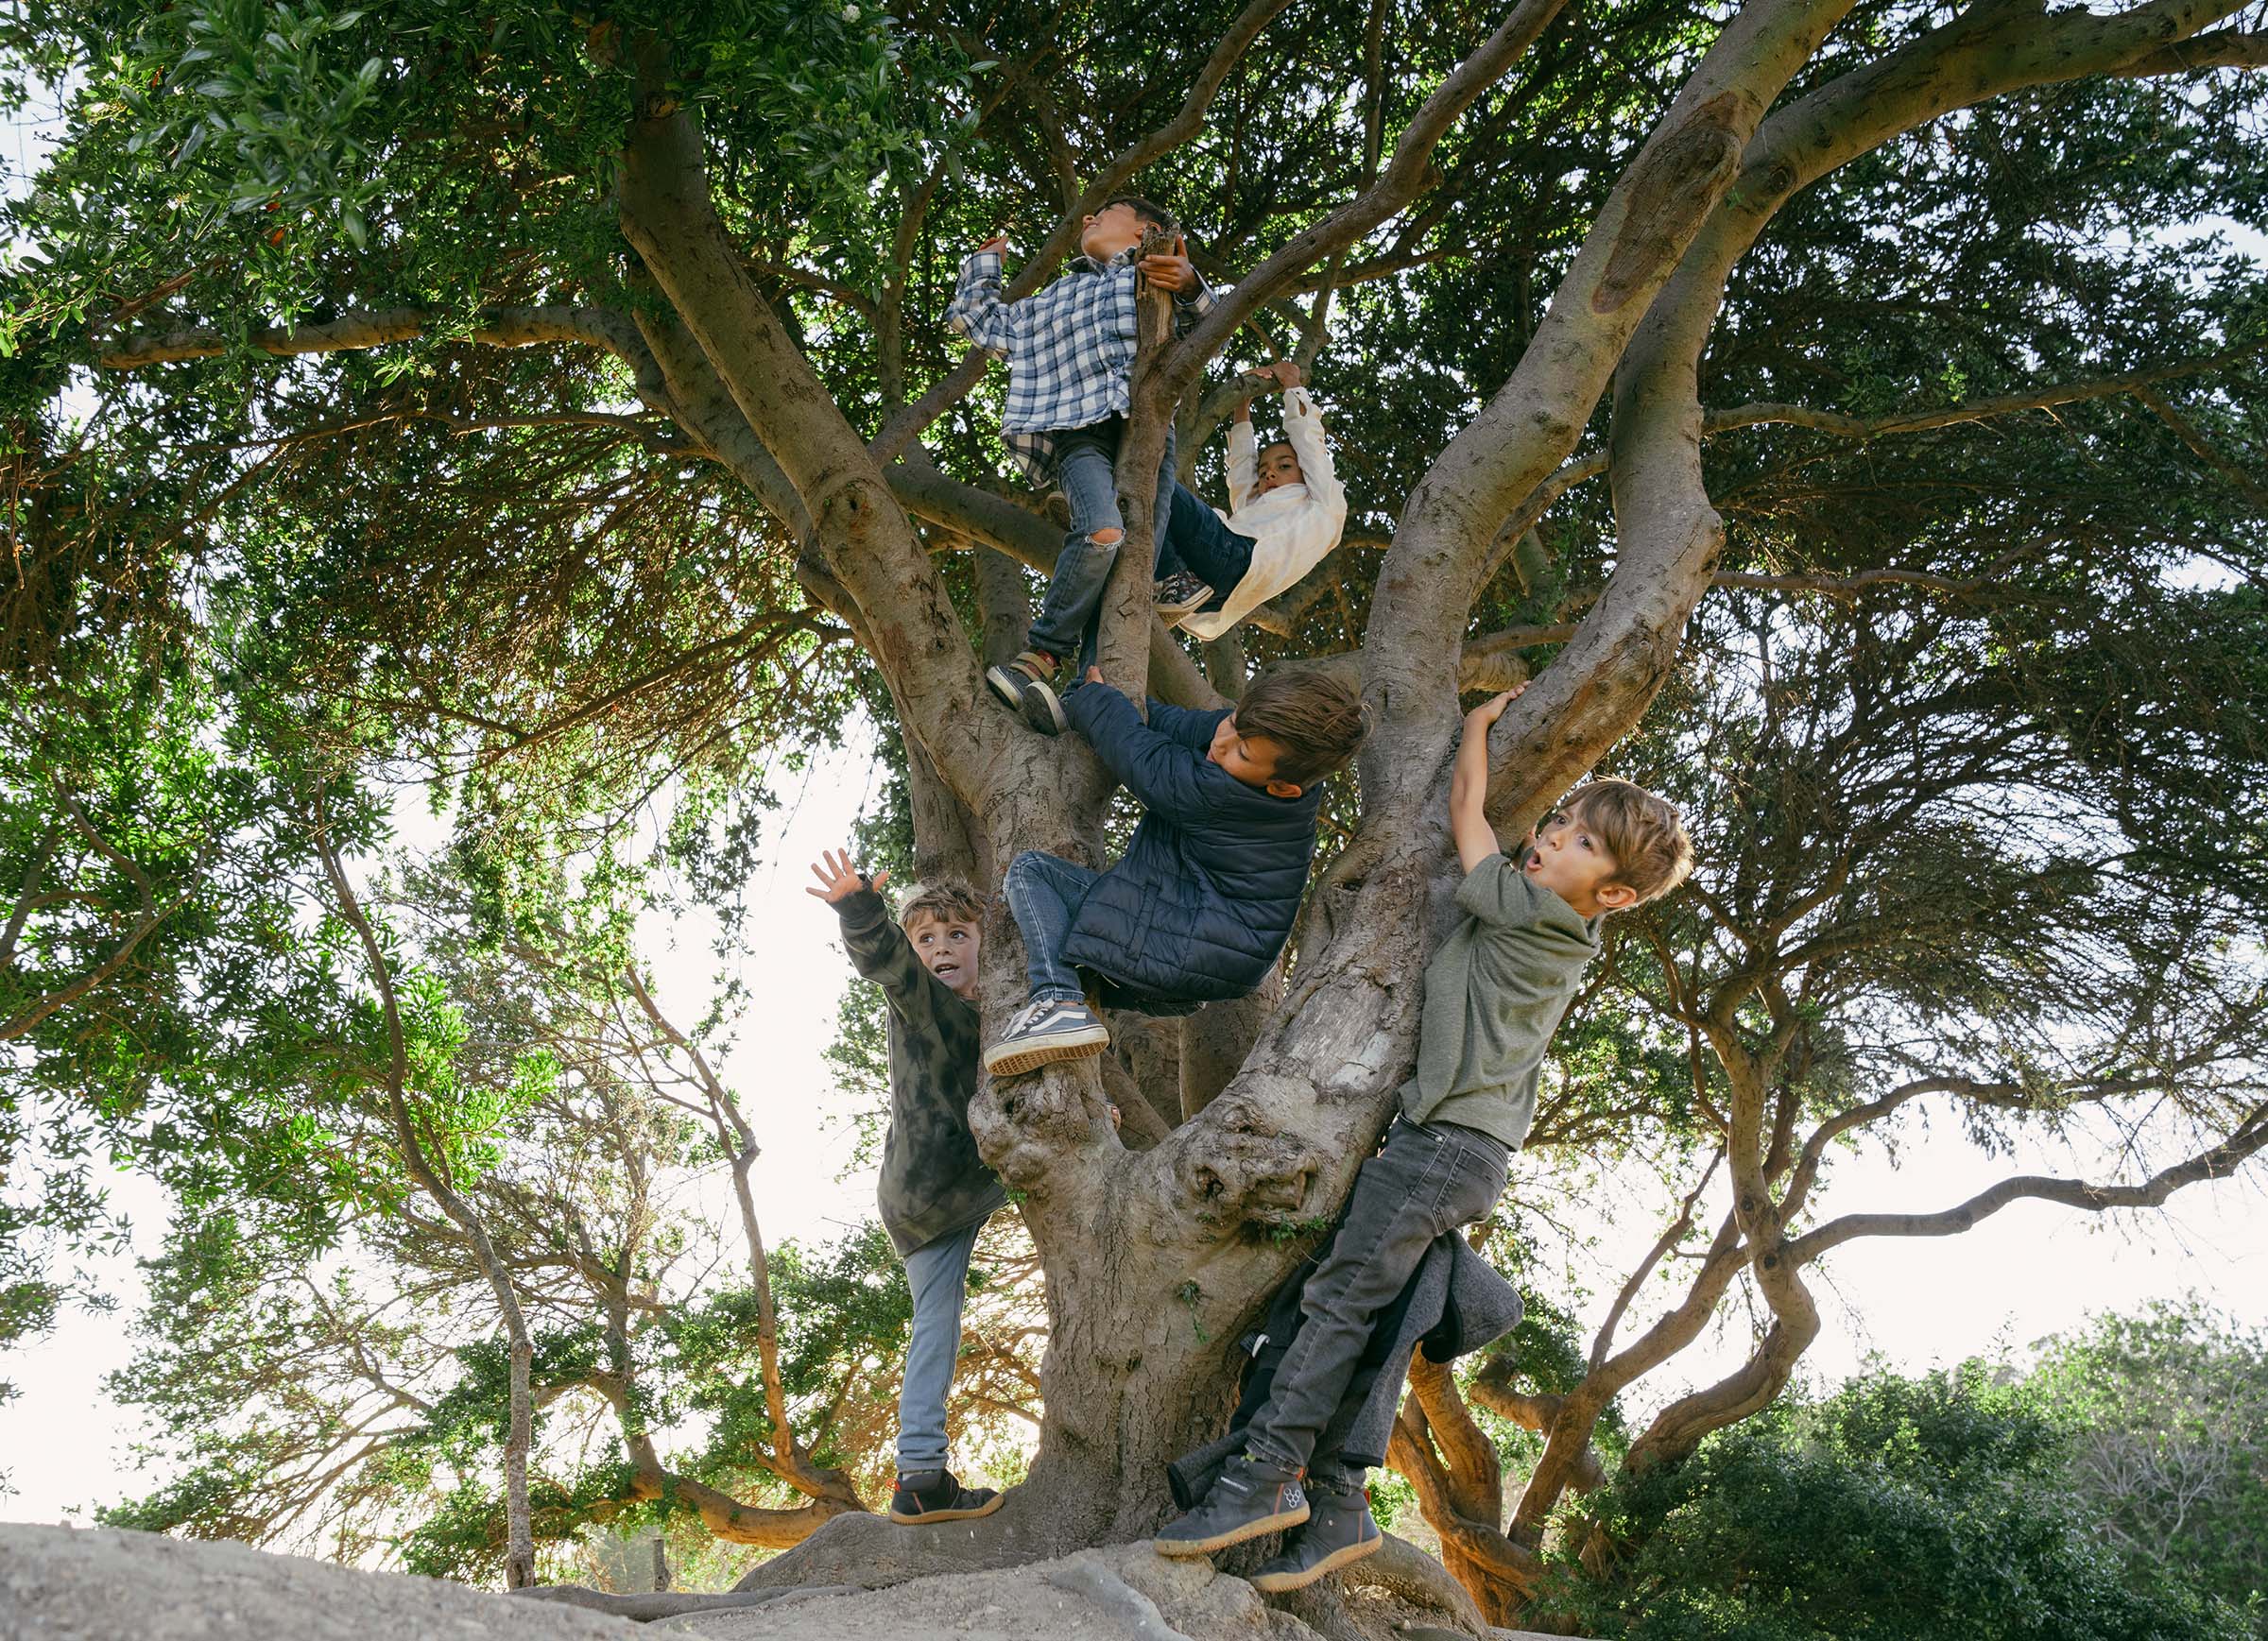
x: 1026, y: 1125
x: 1673, y: 186
x: 1248, y: 1169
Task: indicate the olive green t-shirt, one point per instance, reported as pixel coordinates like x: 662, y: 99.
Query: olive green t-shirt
x: 1494, y: 994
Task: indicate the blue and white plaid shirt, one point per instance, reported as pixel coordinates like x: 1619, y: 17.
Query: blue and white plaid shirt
x: 1070, y: 348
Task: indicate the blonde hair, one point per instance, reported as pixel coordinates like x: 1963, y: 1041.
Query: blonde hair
x: 1644, y: 833
x: 947, y: 901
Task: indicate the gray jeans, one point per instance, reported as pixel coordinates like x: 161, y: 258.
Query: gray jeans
x: 939, y: 1274
x: 1427, y: 1179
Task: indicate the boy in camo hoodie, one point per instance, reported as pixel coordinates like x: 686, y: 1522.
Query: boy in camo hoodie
x: 935, y: 1192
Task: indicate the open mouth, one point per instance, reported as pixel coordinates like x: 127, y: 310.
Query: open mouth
x: 945, y: 971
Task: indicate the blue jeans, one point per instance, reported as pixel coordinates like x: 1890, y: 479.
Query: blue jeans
x: 1085, y: 464
x: 1196, y: 540
x: 939, y: 1274
x: 1043, y: 895
x: 1427, y: 1179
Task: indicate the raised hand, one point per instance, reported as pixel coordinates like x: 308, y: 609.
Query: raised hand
x: 997, y: 245
x: 838, y: 875
x: 1489, y: 711
x: 1171, y: 270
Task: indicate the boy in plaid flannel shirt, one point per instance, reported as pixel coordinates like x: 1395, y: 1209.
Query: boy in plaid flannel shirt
x: 1070, y: 349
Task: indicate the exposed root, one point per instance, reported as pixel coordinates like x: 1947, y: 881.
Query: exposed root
x: 1402, y: 1569
x: 645, y: 1609
x: 867, y: 1552
x: 1106, y: 1590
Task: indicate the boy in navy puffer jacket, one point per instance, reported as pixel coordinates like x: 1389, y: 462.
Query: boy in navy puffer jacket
x: 1203, y: 900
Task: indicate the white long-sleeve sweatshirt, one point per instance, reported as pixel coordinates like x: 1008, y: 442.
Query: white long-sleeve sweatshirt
x: 1291, y: 526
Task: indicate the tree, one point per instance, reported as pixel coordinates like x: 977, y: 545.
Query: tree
x: 636, y: 311
x: 2169, y: 1412
x: 575, y: 1121
x: 1882, y: 1511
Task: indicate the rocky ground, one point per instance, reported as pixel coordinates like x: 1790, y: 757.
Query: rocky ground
x: 57, y: 1585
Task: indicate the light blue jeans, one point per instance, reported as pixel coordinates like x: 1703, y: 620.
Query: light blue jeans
x: 1086, y: 468
x: 939, y: 1274
x: 1044, y: 892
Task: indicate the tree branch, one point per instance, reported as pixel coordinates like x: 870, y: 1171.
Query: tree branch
x: 496, y: 328
x: 2215, y: 1162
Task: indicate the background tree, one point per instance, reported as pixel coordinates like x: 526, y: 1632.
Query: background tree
x: 1878, y: 1510
x: 2170, y: 1454
x: 368, y: 1402
x: 640, y: 312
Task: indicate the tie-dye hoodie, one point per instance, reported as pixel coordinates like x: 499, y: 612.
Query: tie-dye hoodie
x: 932, y: 1181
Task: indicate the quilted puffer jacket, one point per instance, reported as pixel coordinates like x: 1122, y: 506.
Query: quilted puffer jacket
x: 1203, y: 900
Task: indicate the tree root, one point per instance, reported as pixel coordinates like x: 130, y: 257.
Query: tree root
x: 645, y: 1609
x: 1402, y: 1569
x: 867, y: 1552
x: 1106, y: 1590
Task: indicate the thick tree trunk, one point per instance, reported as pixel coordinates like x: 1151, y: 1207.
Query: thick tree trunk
x: 1157, y: 1258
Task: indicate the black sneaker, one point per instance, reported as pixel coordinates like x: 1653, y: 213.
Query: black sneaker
x: 928, y: 1496
x: 1338, y: 1533
x: 1022, y: 684
x: 1249, y: 1500
x: 1044, y: 1031
x: 1178, y: 595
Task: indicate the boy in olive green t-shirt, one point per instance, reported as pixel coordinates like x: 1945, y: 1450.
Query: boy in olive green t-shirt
x: 1494, y: 992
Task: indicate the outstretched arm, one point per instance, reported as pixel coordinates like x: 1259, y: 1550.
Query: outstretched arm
x: 1158, y: 770
x: 977, y: 312
x: 1303, y: 432
x: 877, y: 947
x: 1244, y: 457
x: 1469, y: 786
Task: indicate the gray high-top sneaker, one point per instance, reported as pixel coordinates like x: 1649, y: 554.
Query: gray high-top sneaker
x: 1250, y: 1499
x: 929, y: 1495
x: 1338, y: 1533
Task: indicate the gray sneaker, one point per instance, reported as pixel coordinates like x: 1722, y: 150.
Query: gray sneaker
x: 1044, y: 1031
x: 930, y: 1496
x: 1338, y: 1533
x: 1023, y: 686
x: 1178, y: 595
x: 1249, y: 1500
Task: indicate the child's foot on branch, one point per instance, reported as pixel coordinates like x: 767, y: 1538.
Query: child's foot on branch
x: 1043, y: 1031
x: 1180, y: 594
x: 1023, y: 686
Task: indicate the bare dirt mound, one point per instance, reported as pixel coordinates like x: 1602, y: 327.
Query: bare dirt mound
x: 57, y: 1585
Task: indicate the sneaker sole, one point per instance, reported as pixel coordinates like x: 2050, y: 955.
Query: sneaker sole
x: 1173, y: 614
x: 1278, y: 1583
x: 1041, y: 709
x: 1220, y: 1541
x: 1006, y: 688
x: 1080, y: 1045
x: 927, y: 1517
